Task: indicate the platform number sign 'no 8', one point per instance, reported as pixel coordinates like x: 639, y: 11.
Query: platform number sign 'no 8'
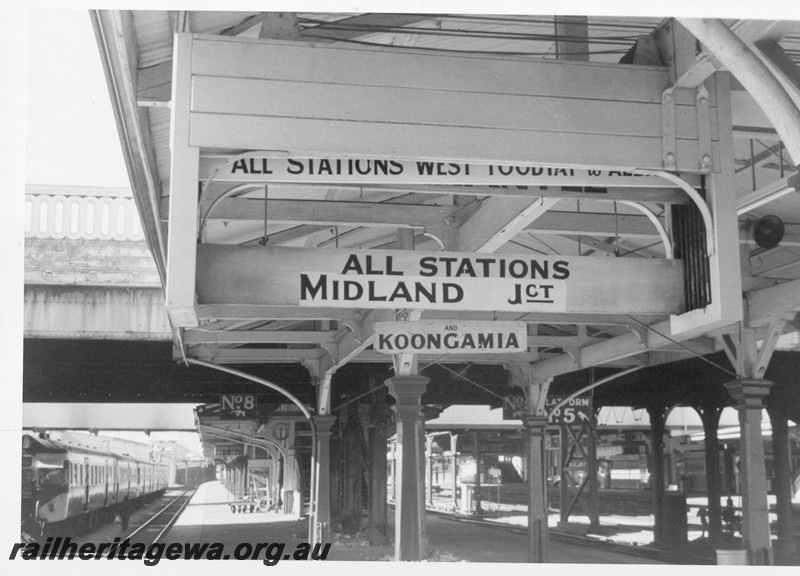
x: 237, y: 406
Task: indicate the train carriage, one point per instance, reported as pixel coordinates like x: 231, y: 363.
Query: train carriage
x: 70, y: 489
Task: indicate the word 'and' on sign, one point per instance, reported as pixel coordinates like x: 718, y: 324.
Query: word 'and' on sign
x: 450, y: 337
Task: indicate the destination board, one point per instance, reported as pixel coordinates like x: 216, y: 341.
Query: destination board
x: 386, y: 279
x: 229, y: 450
x: 382, y: 171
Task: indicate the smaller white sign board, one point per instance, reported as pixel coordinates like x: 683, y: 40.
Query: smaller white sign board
x: 450, y: 337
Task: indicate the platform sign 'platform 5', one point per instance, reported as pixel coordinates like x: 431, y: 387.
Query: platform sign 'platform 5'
x: 576, y: 411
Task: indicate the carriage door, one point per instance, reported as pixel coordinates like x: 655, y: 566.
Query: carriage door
x: 106, y: 474
x: 85, y: 484
x: 115, y: 469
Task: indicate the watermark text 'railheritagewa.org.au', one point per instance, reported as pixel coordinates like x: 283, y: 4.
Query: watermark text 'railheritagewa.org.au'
x: 64, y: 549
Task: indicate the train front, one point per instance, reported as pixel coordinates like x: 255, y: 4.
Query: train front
x: 44, y: 485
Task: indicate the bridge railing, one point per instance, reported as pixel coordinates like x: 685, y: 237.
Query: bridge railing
x: 85, y: 217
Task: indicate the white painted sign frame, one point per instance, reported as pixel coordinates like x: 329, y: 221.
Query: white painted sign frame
x: 450, y: 337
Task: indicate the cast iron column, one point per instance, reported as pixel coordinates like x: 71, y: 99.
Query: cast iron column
x: 423, y: 533
x: 407, y: 391
x: 429, y: 470
x: 709, y: 415
x: 591, y: 468
x: 393, y: 471
x: 377, y: 527
x: 323, y: 501
x: 749, y: 394
x: 538, y: 543
x: 336, y: 473
x: 454, y: 470
x: 478, y: 462
x: 781, y: 458
x: 563, y: 481
x: 351, y: 444
x: 658, y: 419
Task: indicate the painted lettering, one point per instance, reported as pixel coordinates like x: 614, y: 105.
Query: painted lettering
x: 532, y: 294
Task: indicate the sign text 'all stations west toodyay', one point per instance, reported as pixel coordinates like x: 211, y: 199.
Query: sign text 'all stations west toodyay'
x: 254, y: 168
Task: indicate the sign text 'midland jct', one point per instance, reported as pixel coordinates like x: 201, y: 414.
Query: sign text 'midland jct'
x: 375, y: 279
x: 450, y: 337
x: 440, y: 282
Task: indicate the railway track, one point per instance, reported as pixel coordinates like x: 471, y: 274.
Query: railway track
x: 150, y: 532
x: 159, y: 523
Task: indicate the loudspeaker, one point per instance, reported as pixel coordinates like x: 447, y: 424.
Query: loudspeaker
x: 768, y: 232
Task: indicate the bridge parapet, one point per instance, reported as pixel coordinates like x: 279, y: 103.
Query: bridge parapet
x: 89, y: 272
x: 84, y: 213
x: 85, y: 236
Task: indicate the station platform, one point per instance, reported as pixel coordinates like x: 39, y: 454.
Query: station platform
x: 208, y: 518
x: 506, y: 505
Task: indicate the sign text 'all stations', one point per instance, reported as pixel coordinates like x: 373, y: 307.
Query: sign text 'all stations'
x: 383, y: 171
x: 282, y: 276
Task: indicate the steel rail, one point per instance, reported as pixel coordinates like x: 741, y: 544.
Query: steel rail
x: 173, y: 519
x: 159, y: 513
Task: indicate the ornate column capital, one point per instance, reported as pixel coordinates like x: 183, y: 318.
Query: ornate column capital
x: 749, y: 392
x: 407, y: 391
x: 324, y: 424
x: 534, y: 425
